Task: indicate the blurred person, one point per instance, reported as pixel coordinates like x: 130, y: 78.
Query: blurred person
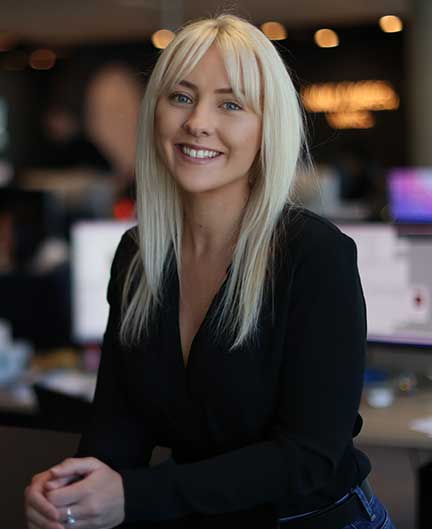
x: 237, y: 326
x: 112, y: 102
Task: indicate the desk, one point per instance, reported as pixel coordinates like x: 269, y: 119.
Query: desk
x: 23, y: 453
x: 390, y: 426
x: 19, y: 405
x: 397, y: 453
x: 18, y: 399
x: 381, y: 426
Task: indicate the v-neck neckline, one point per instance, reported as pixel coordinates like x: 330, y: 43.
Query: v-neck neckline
x: 209, y: 310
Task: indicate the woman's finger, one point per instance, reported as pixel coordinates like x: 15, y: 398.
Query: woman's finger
x: 69, y: 494
x: 36, y: 519
x: 82, y: 521
x: 37, y: 501
x: 53, y: 484
x: 79, y: 512
x: 79, y: 465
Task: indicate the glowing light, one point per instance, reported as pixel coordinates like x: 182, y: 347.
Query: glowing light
x: 390, y: 24
x: 162, y: 38
x: 326, y: 38
x: 351, y: 120
x: 350, y: 96
x: 42, y: 59
x: 124, y: 209
x: 274, y: 30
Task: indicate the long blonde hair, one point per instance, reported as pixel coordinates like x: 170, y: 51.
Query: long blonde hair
x: 258, y: 77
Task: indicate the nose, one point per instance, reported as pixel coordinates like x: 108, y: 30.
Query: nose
x: 199, y: 122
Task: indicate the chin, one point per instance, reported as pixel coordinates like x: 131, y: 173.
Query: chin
x: 205, y: 182
x: 198, y: 187
x: 197, y: 183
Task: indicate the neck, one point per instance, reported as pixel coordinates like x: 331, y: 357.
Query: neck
x: 212, y: 222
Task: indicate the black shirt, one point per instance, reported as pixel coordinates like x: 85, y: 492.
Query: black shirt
x: 259, y: 433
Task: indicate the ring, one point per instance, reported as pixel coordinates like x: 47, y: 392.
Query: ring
x: 70, y: 520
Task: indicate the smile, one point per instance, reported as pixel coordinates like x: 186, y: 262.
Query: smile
x: 197, y: 155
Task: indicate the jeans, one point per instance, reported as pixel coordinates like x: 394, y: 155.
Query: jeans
x: 375, y: 515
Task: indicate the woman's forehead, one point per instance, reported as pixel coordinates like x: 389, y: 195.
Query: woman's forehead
x: 221, y: 70
x: 210, y: 69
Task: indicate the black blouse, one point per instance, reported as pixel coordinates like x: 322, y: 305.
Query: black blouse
x: 262, y: 432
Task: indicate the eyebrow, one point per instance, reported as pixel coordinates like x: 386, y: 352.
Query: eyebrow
x: 192, y: 86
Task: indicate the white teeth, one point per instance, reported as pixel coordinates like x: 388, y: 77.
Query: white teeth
x: 198, y: 154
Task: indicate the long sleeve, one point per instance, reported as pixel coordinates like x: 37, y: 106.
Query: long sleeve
x: 318, y: 397
x: 115, y: 435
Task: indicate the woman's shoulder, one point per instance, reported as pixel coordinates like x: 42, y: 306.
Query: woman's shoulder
x: 128, y: 243
x: 125, y: 251
x: 302, y: 231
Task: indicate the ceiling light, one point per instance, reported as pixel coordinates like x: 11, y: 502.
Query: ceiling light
x: 350, y: 96
x: 351, y: 120
x: 390, y: 24
x: 326, y: 38
x: 42, y: 59
x: 162, y: 38
x: 274, y: 30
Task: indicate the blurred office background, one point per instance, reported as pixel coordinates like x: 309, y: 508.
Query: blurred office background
x: 72, y: 75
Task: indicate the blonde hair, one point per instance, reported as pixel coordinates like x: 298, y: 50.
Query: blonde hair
x: 258, y: 77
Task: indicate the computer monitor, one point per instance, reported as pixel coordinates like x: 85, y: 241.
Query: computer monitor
x: 410, y: 194
x: 93, y: 246
x: 397, y: 283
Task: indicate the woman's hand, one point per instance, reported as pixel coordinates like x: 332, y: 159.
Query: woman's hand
x: 96, y: 501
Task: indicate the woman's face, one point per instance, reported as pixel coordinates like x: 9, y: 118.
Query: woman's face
x: 207, y: 140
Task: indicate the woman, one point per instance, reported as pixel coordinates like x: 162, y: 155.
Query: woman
x: 236, y: 333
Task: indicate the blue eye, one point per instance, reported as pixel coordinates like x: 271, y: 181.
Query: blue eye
x: 180, y: 98
x: 233, y: 106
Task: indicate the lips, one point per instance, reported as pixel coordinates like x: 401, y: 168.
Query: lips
x: 197, y: 160
x: 198, y: 147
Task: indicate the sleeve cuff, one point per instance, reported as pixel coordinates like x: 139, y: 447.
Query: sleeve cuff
x: 146, y: 492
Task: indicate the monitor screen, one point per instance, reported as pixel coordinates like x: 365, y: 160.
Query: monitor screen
x: 93, y: 246
x: 397, y: 283
x: 410, y: 194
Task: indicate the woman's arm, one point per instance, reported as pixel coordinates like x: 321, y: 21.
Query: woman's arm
x: 115, y: 434
x: 115, y: 437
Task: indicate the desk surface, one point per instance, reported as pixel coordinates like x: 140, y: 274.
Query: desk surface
x: 23, y: 453
x: 381, y: 426
x: 391, y: 425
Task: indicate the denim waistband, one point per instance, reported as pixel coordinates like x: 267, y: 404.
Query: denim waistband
x: 340, y: 500
x: 356, y: 500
